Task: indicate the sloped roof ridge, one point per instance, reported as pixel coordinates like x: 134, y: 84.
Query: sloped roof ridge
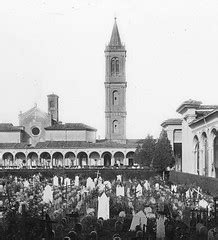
x: 34, y: 108
x: 70, y: 126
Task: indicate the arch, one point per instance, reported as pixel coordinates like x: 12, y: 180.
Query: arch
x: 8, y: 159
x: 32, y: 159
x: 45, y: 159
x: 20, y: 159
x: 115, y: 98
x: 119, y: 158
x: 94, y: 158
x: 57, y: 159
x: 130, y: 157
x: 69, y: 158
x: 196, y: 154
x: 115, y: 126
x: 215, y: 154
x: 205, y: 153
x: 213, y: 132
x: 115, y: 66
x: 107, y: 158
x: 177, y: 148
x: 83, y: 159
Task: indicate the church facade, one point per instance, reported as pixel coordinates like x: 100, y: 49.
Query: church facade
x: 198, y: 137
x: 41, y: 140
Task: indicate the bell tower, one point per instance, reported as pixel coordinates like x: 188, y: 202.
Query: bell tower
x: 115, y: 88
x: 53, y: 107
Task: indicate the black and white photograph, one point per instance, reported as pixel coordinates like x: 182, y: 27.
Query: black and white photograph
x: 108, y: 120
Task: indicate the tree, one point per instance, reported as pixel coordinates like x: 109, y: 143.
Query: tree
x: 145, y: 152
x: 163, y: 154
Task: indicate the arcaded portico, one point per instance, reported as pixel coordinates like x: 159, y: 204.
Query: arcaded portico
x: 67, y: 158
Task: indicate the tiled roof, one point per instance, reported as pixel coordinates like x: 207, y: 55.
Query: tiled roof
x: 203, y: 117
x: 172, y: 121
x: 8, y: 127
x: 134, y: 141
x: 78, y: 144
x: 208, y: 106
x: 71, y: 126
x: 14, y: 146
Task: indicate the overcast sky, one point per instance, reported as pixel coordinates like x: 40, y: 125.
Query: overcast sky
x: 57, y: 46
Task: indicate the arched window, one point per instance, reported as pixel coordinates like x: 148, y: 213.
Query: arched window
x: 115, y: 98
x: 115, y: 126
x: 197, y: 157
x: 215, y: 152
x: 115, y: 66
x: 196, y: 154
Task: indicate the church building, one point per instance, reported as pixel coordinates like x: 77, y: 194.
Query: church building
x: 42, y: 140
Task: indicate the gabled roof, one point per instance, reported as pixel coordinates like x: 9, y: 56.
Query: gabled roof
x: 172, y: 121
x: 32, y: 111
x: 9, y: 127
x: 70, y: 126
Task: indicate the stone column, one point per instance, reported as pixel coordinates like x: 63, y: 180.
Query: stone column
x: 112, y: 161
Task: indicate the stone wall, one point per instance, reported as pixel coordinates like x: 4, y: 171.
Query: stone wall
x: 206, y: 183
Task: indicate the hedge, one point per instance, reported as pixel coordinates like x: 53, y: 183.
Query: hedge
x: 105, y: 173
x: 207, y: 184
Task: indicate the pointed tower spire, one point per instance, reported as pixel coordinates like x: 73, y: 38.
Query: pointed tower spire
x: 115, y: 36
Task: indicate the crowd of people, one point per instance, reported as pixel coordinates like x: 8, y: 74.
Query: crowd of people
x: 85, y: 208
